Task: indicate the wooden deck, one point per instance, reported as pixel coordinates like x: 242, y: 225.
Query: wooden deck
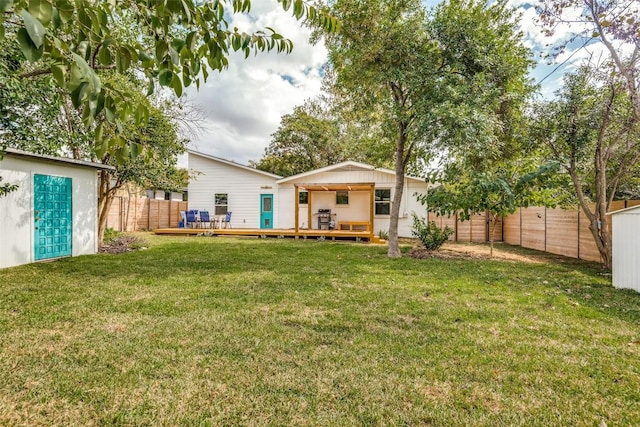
x: 258, y: 232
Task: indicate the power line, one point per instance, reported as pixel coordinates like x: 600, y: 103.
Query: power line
x: 565, y: 61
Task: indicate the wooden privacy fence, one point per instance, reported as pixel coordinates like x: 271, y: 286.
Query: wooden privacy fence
x: 141, y: 213
x: 558, y: 231
x: 475, y: 229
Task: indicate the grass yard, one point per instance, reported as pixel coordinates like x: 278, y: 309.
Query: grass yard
x: 217, y: 331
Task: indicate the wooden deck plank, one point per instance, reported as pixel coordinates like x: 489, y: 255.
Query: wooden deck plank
x: 327, y: 234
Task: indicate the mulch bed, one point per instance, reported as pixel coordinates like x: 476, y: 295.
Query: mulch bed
x: 123, y: 243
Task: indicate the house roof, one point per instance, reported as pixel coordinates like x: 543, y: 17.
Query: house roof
x: 626, y: 210
x: 234, y: 164
x: 360, y: 186
x: 347, y: 166
x: 83, y: 163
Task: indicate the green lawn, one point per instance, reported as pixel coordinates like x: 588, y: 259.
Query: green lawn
x: 216, y: 331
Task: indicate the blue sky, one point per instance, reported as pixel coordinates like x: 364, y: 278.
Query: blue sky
x: 243, y: 104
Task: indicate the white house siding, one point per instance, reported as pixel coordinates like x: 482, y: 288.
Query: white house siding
x: 626, y: 249
x: 358, y: 209
x: 16, y: 209
x: 243, y: 187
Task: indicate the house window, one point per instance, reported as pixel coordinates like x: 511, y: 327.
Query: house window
x: 303, y: 198
x: 221, y: 203
x: 383, y: 201
x: 342, y: 197
x: 167, y: 195
x: 185, y: 196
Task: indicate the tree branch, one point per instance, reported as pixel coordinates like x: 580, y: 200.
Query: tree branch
x: 43, y: 71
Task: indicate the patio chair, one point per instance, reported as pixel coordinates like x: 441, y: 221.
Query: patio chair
x: 192, y: 218
x: 226, y: 221
x: 205, y: 219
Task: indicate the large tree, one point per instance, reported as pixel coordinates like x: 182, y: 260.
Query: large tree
x: 308, y: 138
x: 173, y: 43
x: 39, y: 117
x: 320, y: 133
x: 592, y: 127
x: 592, y: 131
x: 446, y: 78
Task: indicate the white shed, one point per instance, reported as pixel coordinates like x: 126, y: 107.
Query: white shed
x: 626, y: 248
x: 54, y: 211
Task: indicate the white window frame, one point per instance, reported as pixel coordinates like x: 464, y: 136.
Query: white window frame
x: 299, y: 202
x: 336, y: 199
x: 381, y: 202
x: 221, y: 205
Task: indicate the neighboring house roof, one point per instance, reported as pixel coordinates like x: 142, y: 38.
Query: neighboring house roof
x: 20, y: 153
x: 345, y: 167
x: 232, y: 163
x: 625, y: 210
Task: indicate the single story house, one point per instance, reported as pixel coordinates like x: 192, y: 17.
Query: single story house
x: 54, y: 211
x: 348, y: 195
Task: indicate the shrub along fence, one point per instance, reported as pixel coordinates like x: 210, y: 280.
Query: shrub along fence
x: 558, y: 231
x: 141, y: 213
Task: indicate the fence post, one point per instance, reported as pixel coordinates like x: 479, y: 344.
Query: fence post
x: 579, y: 232
x: 545, y: 229
x: 456, y: 226
x: 520, y: 210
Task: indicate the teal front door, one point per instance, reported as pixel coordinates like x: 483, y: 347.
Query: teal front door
x: 52, y: 216
x: 266, y: 211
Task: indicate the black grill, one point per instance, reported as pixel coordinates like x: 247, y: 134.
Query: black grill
x: 324, y: 219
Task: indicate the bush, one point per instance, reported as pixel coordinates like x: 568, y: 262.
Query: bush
x: 431, y: 236
x: 383, y: 234
x: 110, y: 235
x: 123, y: 243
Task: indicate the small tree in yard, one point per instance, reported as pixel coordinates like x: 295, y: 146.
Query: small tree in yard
x: 499, y: 192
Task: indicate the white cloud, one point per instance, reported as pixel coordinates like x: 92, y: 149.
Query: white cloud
x: 244, y: 103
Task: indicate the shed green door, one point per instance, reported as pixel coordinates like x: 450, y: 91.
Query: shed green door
x: 52, y: 216
x: 266, y: 211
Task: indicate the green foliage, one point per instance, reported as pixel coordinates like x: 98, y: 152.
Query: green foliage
x: 172, y: 43
x: 499, y: 191
x: 592, y: 131
x: 450, y: 81
x: 430, y: 235
x: 6, y: 188
x: 315, y: 135
x: 383, y: 234
x: 110, y: 235
x: 307, y: 139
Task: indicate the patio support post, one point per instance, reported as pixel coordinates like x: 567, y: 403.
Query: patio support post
x: 309, y: 209
x: 371, y: 211
x: 297, y: 212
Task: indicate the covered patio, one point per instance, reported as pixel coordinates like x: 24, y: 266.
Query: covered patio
x: 361, y: 223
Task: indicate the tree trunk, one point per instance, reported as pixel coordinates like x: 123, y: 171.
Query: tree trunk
x: 394, y: 246
x: 597, y: 218
x: 493, y: 222
x: 105, y: 198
